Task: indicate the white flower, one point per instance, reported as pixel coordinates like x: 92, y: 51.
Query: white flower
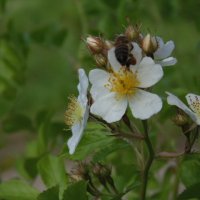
x: 77, y: 113
x: 193, y: 102
x: 113, y: 91
x: 162, y: 54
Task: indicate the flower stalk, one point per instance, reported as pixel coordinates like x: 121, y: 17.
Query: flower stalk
x: 149, y: 161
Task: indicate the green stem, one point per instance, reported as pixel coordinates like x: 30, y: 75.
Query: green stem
x: 116, y: 131
x: 149, y: 161
x: 194, y: 138
x: 166, y: 155
x: 110, y: 126
x: 128, y: 123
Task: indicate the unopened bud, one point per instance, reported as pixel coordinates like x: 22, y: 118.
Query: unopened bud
x: 101, y: 170
x: 102, y: 173
x: 132, y: 32
x: 97, y: 169
x: 109, y: 44
x: 95, y: 44
x: 75, y: 177
x: 180, y: 119
x: 80, y: 172
x: 149, y: 44
x: 101, y: 60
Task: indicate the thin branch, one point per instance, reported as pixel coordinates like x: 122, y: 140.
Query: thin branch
x: 110, y: 126
x: 165, y: 154
x: 149, y: 161
x: 128, y: 123
x: 116, y: 132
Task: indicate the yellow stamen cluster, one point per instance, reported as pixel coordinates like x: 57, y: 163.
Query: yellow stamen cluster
x: 74, y: 112
x: 123, y: 83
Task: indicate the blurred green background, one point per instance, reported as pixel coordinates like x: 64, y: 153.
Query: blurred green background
x: 41, y: 47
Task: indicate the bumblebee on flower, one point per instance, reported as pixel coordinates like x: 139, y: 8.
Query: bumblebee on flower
x: 113, y: 91
x: 129, y: 70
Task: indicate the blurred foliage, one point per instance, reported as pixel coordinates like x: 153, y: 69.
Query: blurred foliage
x: 41, y: 47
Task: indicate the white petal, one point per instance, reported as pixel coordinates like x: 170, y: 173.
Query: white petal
x: 148, y: 73
x: 110, y: 108
x: 194, y: 102
x: 83, y: 82
x: 98, y: 91
x: 137, y: 52
x: 167, y: 62
x: 173, y: 100
x: 72, y: 143
x: 164, y: 51
x: 159, y: 41
x: 82, y: 88
x: 98, y: 77
x: 144, y: 104
x: 113, y: 60
x: 77, y: 133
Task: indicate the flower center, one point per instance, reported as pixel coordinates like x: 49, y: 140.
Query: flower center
x: 195, y: 105
x: 74, y: 112
x: 123, y: 82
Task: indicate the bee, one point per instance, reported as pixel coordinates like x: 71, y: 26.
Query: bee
x: 123, y: 48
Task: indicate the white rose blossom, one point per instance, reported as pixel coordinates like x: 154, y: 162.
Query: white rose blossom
x: 193, y: 100
x: 113, y: 91
x: 161, y: 55
x: 77, y: 113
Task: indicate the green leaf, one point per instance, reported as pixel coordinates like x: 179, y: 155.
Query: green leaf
x: 30, y: 165
x: 94, y: 139
x: 191, y: 192
x: 116, y: 145
x: 50, y: 194
x: 190, y: 171
x: 17, y: 190
x: 27, y: 167
x: 53, y: 172
x: 76, y: 191
x: 43, y: 133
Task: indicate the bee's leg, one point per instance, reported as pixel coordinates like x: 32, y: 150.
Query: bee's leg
x: 131, y: 60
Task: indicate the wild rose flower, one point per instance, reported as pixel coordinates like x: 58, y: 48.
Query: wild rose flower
x: 193, y: 100
x: 113, y: 91
x: 158, y: 50
x: 77, y: 113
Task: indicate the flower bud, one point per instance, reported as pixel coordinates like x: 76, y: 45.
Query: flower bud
x: 101, y: 170
x: 101, y: 60
x: 149, y: 44
x: 180, y: 119
x: 80, y: 172
x: 95, y: 44
x: 132, y: 32
x: 109, y: 44
x: 102, y: 173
